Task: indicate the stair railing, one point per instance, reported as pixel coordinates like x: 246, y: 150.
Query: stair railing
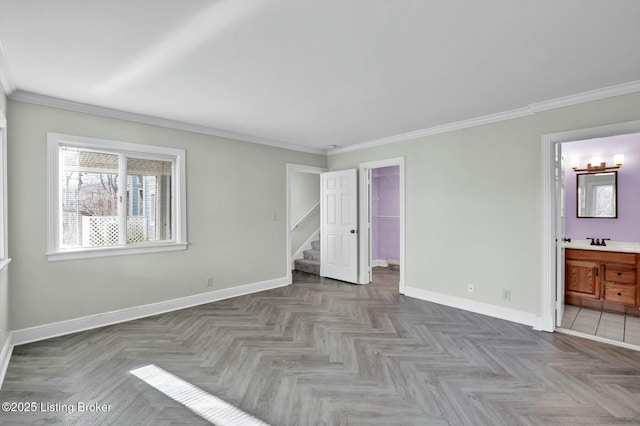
x: 304, y: 216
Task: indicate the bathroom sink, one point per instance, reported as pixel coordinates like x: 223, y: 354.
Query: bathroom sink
x: 621, y: 246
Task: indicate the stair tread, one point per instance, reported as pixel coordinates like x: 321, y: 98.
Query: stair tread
x: 307, y: 261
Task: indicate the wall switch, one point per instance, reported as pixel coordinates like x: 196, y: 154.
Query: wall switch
x: 506, y: 294
x: 210, y: 282
x: 470, y: 288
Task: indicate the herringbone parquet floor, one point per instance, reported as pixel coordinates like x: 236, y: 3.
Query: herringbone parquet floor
x: 320, y: 352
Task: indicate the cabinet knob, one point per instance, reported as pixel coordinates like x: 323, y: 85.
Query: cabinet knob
x: 619, y: 294
x: 619, y: 273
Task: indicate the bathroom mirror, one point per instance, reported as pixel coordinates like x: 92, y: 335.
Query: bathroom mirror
x: 597, y: 195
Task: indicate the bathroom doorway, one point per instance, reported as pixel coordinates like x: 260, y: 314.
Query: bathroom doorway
x: 552, y: 245
x: 600, y: 204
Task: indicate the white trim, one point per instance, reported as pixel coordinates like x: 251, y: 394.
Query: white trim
x: 546, y: 319
x: 115, y: 251
x: 598, y: 339
x: 591, y: 95
x: 5, y: 356
x: 364, y: 201
x: 47, y: 331
x: 4, y: 263
x: 4, y: 229
x: 305, y: 246
x: 290, y: 168
x: 492, y: 118
x: 495, y: 311
x: 5, y: 74
x: 531, y: 109
x: 379, y: 262
x: 178, y: 200
x: 37, y: 99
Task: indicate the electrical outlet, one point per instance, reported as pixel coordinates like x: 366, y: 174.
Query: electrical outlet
x: 210, y: 282
x: 506, y: 294
x: 470, y: 288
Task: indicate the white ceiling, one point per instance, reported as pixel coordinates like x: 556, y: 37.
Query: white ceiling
x: 318, y: 73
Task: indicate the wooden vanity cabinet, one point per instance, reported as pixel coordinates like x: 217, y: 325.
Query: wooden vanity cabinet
x: 603, y: 280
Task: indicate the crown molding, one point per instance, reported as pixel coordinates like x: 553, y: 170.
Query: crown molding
x: 5, y: 76
x: 591, y: 95
x: 486, y: 119
x: 531, y: 109
x: 49, y: 101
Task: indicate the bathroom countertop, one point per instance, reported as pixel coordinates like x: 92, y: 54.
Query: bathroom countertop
x: 619, y: 246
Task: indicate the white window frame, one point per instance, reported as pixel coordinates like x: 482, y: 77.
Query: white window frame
x: 4, y: 243
x: 178, y: 204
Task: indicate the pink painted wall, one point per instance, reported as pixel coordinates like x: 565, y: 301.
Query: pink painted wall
x: 385, y: 196
x: 627, y: 226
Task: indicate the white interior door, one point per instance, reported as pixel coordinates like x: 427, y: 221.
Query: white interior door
x: 560, y: 236
x: 339, y: 225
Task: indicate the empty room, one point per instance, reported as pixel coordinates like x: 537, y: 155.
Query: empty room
x: 319, y: 212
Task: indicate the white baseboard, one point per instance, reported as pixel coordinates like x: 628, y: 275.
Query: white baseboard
x: 379, y: 262
x: 488, y: 309
x: 47, y: 331
x: 544, y: 324
x: 5, y: 356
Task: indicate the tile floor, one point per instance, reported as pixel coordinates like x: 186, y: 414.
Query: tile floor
x: 618, y: 327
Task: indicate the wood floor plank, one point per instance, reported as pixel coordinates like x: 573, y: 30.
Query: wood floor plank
x: 325, y: 352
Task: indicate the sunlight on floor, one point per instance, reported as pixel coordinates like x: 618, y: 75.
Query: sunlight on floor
x: 195, y: 399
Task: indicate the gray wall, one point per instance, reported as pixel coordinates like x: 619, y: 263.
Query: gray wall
x: 305, y: 192
x: 473, y: 201
x: 234, y: 189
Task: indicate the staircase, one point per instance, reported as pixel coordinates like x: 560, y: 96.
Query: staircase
x: 311, y: 261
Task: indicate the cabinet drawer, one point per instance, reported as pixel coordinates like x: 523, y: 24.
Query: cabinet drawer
x: 620, y: 274
x: 620, y: 293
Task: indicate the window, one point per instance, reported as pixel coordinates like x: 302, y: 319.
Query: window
x: 109, y: 198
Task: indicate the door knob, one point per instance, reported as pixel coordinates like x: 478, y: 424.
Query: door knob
x: 353, y: 231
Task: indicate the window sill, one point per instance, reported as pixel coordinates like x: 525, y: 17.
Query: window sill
x: 114, y: 251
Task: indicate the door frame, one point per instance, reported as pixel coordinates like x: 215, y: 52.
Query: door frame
x: 546, y: 320
x: 365, y: 206
x: 299, y: 168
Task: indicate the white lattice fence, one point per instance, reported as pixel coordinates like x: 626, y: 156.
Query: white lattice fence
x: 103, y: 230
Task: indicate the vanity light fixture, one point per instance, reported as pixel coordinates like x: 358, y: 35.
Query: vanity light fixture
x: 597, y: 165
x: 575, y: 162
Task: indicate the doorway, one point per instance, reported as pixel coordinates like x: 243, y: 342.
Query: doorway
x: 602, y: 204
x: 554, y: 214
x: 302, y: 211
x: 382, y: 218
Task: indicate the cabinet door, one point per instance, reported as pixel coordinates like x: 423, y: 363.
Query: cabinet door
x: 582, y: 278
